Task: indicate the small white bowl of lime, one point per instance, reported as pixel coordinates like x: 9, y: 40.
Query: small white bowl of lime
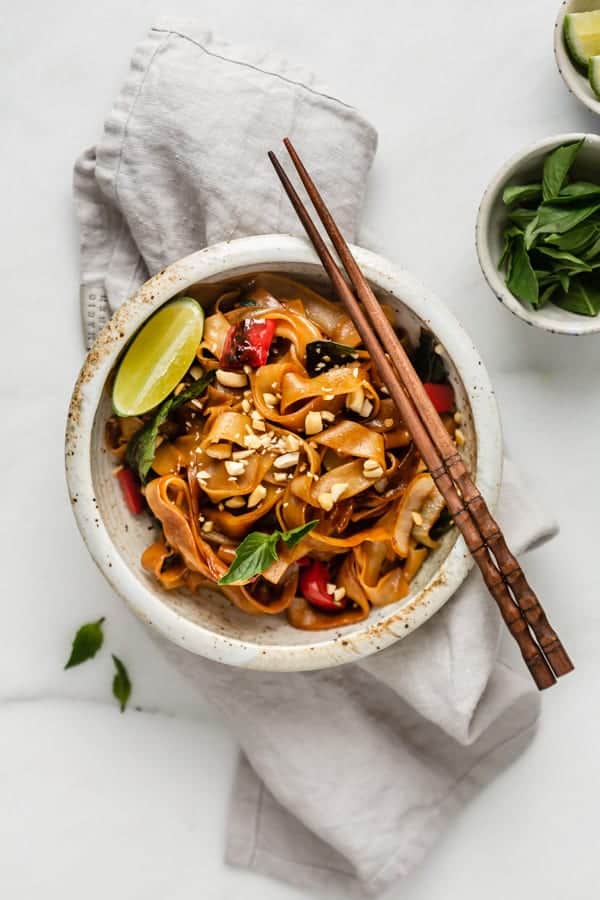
x: 494, y: 216
x: 577, y: 49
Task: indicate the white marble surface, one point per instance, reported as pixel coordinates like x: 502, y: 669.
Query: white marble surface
x: 99, y: 804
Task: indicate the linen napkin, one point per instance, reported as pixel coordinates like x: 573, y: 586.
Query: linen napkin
x: 348, y: 775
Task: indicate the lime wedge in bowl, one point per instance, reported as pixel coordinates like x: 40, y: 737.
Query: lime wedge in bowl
x: 582, y: 36
x: 594, y: 74
x: 158, y: 357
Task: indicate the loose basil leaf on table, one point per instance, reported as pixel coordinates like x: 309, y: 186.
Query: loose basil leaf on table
x: 141, y: 449
x: 121, y: 686
x: 556, y: 168
x: 258, y: 550
x: 86, y: 643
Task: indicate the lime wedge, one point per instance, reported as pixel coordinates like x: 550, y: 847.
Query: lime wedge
x: 582, y: 36
x: 158, y: 357
x: 594, y: 74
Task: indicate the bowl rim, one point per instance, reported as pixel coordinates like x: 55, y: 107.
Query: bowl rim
x: 569, y: 73
x: 368, y: 637
x: 572, y: 324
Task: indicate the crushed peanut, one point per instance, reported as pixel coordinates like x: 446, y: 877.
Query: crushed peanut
x: 231, y: 379
x: 207, y: 527
x: 235, y: 467
x: 338, y: 489
x: 235, y: 502
x: 459, y: 438
x: 286, y: 460
x: 258, y: 494
x: 327, y: 416
x: 331, y: 588
x: 339, y: 594
x: 417, y: 518
x: 219, y: 451
x: 355, y: 400
x: 313, y: 423
x: 325, y: 501
x: 388, y: 423
x: 270, y: 399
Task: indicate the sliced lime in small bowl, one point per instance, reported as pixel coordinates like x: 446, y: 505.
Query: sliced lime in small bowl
x: 594, y: 74
x: 158, y: 357
x: 582, y: 36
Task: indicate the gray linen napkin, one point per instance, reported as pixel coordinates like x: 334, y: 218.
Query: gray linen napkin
x: 348, y: 775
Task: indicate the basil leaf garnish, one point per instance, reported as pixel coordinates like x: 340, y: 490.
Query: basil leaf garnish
x: 141, y: 448
x: 257, y: 551
x: 324, y: 355
x: 86, y: 643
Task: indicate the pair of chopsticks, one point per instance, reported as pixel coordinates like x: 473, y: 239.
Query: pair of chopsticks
x: 544, y: 654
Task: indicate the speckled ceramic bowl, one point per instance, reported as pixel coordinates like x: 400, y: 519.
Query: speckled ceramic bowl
x: 575, y: 80
x: 208, y: 624
x: 524, y: 168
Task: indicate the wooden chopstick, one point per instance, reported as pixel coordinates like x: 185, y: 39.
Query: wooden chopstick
x: 471, y: 497
x: 441, y: 458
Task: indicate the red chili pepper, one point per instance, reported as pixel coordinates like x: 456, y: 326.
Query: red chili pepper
x: 248, y: 343
x: 131, y: 491
x: 313, y: 584
x: 441, y: 395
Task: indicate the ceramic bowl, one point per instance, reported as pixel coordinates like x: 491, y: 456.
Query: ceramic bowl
x: 208, y: 624
x: 576, y: 80
x: 523, y: 168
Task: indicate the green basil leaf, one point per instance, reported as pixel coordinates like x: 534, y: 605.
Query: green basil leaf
x: 564, y: 259
x: 522, y: 281
x: 582, y: 298
x: 195, y: 390
x: 324, y: 355
x: 556, y: 168
x: 521, y: 193
x: 577, y: 191
x: 531, y: 233
x: 141, y: 449
x: 509, y: 233
x: 257, y: 551
x: 593, y: 251
x: 546, y: 294
x: 558, y: 219
x: 86, y: 643
x: 121, y: 686
x: 521, y: 217
x: 565, y: 281
x: 577, y: 239
x: 295, y: 535
x: 255, y: 554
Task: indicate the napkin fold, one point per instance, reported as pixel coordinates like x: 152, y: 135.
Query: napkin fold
x: 348, y: 775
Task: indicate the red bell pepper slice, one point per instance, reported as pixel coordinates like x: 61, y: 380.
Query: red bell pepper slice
x: 131, y: 491
x: 441, y: 396
x: 248, y: 343
x: 313, y: 584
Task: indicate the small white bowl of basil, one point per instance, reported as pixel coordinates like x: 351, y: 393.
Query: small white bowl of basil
x: 538, y: 234
x: 577, y: 50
